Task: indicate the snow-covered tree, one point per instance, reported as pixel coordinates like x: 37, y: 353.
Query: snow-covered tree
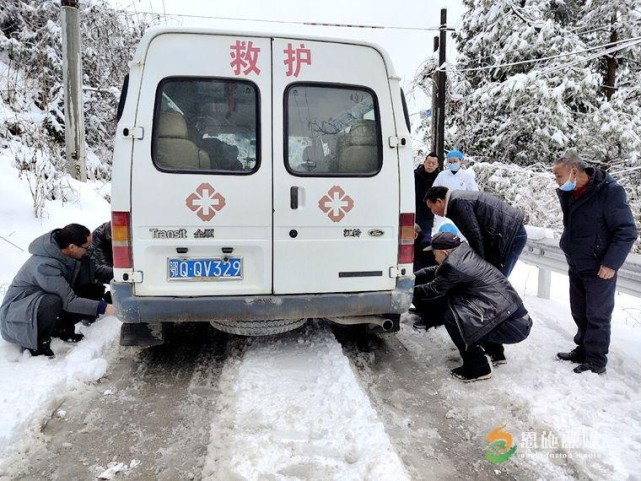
x: 521, y: 105
x: 536, y: 78
x: 31, y: 83
x: 529, y: 83
x: 613, y: 131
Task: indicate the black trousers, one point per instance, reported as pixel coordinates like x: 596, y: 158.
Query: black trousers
x: 511, y: 331
x: 592, y: 302
x: 53, y: 321
x: 48, y: 313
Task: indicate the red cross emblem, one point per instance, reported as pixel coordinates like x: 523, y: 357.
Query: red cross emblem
x: 336, y: 203
x: 205, y: 202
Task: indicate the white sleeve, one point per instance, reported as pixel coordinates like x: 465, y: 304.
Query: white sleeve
x: 471, y: 182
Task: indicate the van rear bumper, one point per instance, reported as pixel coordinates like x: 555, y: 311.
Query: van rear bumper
x: 152, y: 309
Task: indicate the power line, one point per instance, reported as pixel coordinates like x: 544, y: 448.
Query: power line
x: 287, y: 22
x: 632, y: 41
x: 591, y: 57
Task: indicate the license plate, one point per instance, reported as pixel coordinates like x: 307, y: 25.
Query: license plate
x: 210, y: 269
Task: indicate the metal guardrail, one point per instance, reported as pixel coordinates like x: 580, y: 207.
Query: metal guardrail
x: 548, y: 256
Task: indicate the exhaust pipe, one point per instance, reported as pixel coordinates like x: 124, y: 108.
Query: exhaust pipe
x: 375, y: 323
x: 385, y: 324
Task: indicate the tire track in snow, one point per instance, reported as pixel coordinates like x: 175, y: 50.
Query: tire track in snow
x: 147, y: 419
x: 434, y: 433
x: 292, y: 408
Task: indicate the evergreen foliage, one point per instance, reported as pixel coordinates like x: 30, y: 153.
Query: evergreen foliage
x: 31, y: 84
x: 536, y: 78
x: 504, y: 107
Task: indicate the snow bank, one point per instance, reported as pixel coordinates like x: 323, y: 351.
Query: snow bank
x: 32, y: 387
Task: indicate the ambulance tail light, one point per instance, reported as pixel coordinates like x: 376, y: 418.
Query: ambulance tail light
x: 121, y: 239
x: 406, y: 239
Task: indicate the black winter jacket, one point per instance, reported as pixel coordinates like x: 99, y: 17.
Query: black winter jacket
x: 101, y: 252
x: 598, y: 227
x: 422, y: 182
x: 488, y: 223
x: 479, y: 296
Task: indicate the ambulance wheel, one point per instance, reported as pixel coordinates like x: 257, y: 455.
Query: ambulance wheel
x: 258, y: 328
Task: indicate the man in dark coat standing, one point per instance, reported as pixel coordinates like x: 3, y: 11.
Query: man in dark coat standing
x: 424, y: 177
x: 42, y: 293
x: 492, y: 227
x: 475, y: 301
x: 598, y: 233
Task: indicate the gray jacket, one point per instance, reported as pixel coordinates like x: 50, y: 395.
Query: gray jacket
x: 47, y: 271
x: 479, y: 296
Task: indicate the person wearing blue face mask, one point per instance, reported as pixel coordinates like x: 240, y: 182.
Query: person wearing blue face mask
x: 455, y: 177
x: 598, y: 233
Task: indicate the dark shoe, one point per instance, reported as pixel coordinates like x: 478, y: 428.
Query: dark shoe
x: 69, y: 337
x: 426, y: 323
x: 89, y: 321
x: 419, y: 325
x: 496, y: 353
x: 473, y: 372
x: 576, y: 355
x: 498, y: 358
x: 589, y: 366
x: 66, y: 329
x: 44, y: 349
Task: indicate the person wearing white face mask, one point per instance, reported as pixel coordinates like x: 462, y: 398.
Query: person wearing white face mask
x: 598, y: 233
x: 455, y: 177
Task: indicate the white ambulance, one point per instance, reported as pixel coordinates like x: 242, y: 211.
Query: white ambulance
x: 258, y: 181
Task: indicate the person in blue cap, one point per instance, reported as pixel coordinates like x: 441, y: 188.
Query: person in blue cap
x: 454, y: 176
x: 447, y: 227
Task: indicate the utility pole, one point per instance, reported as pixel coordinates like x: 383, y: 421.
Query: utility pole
x: 72, y: 79
x: 440, y: 146
x: 435, y: 113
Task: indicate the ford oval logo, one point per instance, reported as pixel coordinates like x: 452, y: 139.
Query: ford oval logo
x: 375, y: 232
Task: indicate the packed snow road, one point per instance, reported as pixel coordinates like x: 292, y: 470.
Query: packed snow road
x: 147, y: 417
x: 432, y: 420
x: 317, y: 403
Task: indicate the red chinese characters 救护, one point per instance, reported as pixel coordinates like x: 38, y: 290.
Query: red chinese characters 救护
x: 294, y: 58
x: 244, y: 57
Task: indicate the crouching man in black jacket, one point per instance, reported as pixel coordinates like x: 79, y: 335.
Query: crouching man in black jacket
x: 477, y: 304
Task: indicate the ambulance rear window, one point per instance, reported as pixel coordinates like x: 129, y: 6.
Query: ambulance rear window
x: 332, y: 131
x: 206, y: 125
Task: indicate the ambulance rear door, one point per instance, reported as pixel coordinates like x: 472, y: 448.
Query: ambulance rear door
x: 201, y: 176
x: 336, y: 192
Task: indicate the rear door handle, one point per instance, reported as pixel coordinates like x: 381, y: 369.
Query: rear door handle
x: 293, y: 197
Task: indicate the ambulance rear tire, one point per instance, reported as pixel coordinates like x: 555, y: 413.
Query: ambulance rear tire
x: 258, y: 328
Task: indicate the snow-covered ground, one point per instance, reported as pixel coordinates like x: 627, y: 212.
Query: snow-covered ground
x: 330, y: 428
x: 552, y: 413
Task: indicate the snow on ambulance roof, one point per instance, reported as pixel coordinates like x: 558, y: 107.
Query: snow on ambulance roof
x: 153, y: 32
